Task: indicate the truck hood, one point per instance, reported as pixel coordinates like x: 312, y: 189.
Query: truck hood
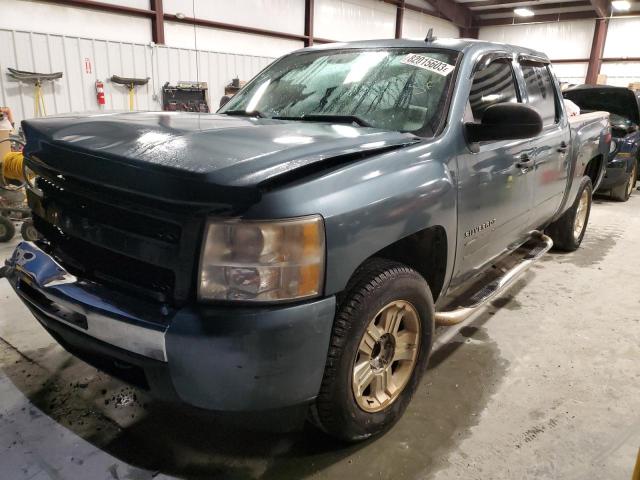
x: 180, y: 156
x: 617, y: 100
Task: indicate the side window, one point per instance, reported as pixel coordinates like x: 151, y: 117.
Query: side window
x: 540, y: 90
x: 491, y: 85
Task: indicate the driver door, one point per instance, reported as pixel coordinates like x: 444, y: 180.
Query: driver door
x: 495, y: 193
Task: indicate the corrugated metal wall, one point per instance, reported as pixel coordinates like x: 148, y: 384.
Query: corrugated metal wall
x: 84, y: 60
x: 572, y: 40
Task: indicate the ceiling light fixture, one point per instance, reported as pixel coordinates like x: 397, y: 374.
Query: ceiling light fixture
x: 525, y: 12
x: 621, y: 5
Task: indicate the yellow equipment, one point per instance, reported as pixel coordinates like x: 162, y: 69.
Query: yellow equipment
x: 36, y: 78
x: 131, y: 84
x: 12, y: 167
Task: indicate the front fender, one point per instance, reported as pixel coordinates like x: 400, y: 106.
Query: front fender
x: 369, y: 205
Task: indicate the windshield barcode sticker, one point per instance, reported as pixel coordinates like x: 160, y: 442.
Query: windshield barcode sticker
x: 428, y: 63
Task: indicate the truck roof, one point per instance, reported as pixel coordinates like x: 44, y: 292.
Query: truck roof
x: 459, y: 44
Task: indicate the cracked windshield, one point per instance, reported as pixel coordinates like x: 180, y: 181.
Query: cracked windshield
x: 394, y: 89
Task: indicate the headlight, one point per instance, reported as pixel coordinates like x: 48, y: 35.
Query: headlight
x: 613, y: 146
x: 262, y: 261
x: 30, y: 178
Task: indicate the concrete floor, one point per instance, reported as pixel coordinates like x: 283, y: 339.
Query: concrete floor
x: 543, y: 384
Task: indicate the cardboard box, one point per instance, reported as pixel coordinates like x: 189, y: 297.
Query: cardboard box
x: 602, y: 79
x: 634, y: 86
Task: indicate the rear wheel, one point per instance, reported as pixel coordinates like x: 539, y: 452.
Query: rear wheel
x: 7, y: 229
x: 623, y: 192
x: 380, y: 346
x: 568, y: 231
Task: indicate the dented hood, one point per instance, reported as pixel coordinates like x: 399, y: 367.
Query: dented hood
x: 182, y: 155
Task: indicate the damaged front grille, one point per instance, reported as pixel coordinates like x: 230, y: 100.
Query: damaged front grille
x: 133, y: 244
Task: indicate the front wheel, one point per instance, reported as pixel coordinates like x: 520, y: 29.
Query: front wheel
x: 568, y: 231
x: 623, y: 192
x: 380, y: 346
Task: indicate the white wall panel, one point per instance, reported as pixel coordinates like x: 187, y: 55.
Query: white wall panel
x: 571, y: 72
x: 621, y: 74
x: 416, y: 25
x: 75, y: 92
x: 354, y: 19
x: 279, y: 15
x: 559, y: 40
x: 181, y: 35
x: 58, y: 19
x: 623, y: 38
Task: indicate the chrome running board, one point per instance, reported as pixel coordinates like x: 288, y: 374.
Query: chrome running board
x: 498, y: 285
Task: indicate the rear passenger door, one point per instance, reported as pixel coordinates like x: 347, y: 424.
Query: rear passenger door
x: 551, y: 166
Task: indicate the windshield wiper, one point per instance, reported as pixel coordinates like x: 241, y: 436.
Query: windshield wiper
x: 311, y: 117
x: 244, y: 113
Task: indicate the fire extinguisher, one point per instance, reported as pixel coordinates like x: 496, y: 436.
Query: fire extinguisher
x: 100, y: 92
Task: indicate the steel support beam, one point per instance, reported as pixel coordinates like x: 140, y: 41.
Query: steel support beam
x: 157, y: 22
x: 506, y: 3
x: 454, y: 12
x: 469, y: 32
x: 602, y: 7
x: 547, y: 18
x: 447, y: 9
x: 537, y: 9
x: 399, y: 18
x: 104, y: 7
x: 597, y: 50
x: 234, y: 28
x: 308, y: 22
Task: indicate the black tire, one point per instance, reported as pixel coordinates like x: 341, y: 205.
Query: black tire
x: 28, y: 231
x: 376, y: 284
x: 622, y: 193
x: 7, y: 229
x: 562, y: 231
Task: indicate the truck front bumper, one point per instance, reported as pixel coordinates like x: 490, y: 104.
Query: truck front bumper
x: 234, y: 359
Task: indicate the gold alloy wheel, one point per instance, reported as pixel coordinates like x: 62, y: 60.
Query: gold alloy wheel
x: 632, y: 181
x: 386, y: 356
x: 581, y: 214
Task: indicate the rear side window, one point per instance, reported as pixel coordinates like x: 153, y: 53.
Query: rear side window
x: 540, y: 90
x: 491, y: 85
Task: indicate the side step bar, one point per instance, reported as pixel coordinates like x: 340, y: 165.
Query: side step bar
x: 497, y: 286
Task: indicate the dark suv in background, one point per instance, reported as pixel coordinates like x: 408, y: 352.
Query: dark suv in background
x: 624, y: 106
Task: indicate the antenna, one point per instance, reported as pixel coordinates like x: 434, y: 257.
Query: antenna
x: 429, y: 37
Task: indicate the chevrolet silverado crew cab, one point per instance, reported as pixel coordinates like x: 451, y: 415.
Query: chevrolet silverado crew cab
x: 295, y: 250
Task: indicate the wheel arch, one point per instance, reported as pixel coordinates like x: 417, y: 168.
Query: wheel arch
x: 594, y: 170
x: 425, y: 251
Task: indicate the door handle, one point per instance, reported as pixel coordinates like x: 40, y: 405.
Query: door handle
x: 524, y: 161
x: 563, y: 147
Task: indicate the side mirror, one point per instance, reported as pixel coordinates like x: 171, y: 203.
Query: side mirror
x: 505, y: 121
x: 224, y: 100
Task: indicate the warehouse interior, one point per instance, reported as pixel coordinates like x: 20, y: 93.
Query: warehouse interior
x: 539, y: 380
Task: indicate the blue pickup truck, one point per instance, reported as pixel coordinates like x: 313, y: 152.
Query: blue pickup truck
x: 294, y: 251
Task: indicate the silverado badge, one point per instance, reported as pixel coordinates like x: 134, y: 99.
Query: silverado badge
x: 479, y: 228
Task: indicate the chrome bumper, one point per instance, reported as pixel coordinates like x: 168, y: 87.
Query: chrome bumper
x: 45, y: 286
